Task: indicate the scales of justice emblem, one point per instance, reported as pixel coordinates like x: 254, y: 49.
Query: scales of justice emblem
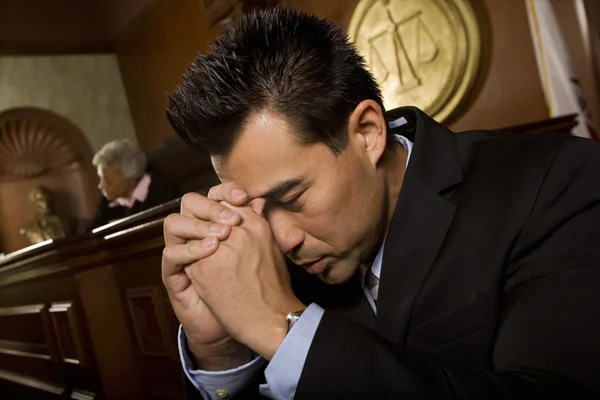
x: 424, y: 53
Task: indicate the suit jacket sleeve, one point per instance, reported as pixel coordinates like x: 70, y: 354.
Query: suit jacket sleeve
x: 548, y: 327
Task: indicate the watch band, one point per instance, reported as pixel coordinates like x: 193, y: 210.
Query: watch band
x: 292, y: 318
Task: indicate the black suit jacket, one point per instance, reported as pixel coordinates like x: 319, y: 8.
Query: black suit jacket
x: 490, y: 284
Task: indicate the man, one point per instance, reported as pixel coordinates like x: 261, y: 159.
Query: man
x: 452, y: 266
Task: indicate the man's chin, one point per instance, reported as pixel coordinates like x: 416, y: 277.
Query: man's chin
x: 335, y: 275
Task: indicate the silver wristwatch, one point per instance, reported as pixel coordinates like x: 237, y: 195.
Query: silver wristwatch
x: 292, y: 318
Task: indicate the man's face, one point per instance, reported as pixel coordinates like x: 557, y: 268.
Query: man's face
x: 326, y: 211
x: 112, y: 183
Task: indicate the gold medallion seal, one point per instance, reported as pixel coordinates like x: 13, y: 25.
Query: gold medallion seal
x: 424, y: 53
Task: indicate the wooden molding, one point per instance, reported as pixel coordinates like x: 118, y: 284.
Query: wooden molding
x: 562, y: 125
x: 24, y: 349
x: 38, y: 266
x: 139, y: 220
x: 32, y: 382
x: 68, y: 333
x: 129, y: 238
x: 33, y: 315
x: 78, y: 394
x: 21, y: 310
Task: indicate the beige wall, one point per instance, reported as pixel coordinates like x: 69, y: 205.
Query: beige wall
x: 86, y: 89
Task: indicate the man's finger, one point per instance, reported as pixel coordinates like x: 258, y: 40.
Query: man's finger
x: 179, y: 228
x: 175, y: 257
x: 258, y: 205
x: 229, y: 192
x: 200, y: 207
x: 252, y: 215
x: 254, y: 209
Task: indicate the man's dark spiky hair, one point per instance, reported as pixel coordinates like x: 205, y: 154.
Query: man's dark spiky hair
x: 296, y: 65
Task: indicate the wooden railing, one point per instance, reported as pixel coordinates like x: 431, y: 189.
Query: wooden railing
x: 88, y: 317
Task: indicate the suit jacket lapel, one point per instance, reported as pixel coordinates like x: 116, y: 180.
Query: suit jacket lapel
x: 420, y: 221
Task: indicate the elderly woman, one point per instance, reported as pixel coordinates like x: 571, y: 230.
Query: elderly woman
x: 126, y: 187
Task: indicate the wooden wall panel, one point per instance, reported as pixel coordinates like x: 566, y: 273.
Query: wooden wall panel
x: 37, y: 354
x: 153, y: 54
x: 149, y: 315
x: 111, y: 341
x: 508, y: 91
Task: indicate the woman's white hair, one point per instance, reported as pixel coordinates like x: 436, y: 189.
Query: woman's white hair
x: 125, y: 154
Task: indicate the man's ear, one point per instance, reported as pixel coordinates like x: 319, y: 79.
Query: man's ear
x: 368, y: 130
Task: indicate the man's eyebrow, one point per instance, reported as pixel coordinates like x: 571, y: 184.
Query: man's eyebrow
x: 281, y: 188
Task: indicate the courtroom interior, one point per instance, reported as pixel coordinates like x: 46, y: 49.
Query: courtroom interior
x: 90, y: 165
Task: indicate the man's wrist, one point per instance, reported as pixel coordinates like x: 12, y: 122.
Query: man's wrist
x: 269, y: 336
x: 227, y: 357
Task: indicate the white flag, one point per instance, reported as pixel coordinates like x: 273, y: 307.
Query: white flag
x: 561, y: 86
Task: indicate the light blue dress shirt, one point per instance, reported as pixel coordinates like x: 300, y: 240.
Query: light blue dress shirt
x: 284, y: 370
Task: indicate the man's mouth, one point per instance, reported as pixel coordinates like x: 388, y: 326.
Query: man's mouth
x: 316, y: 266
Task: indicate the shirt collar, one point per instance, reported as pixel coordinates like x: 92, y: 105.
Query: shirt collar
x: 140, y: 193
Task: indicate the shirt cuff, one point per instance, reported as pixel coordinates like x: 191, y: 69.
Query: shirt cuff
x: 284, y: 370
x: 229, y: 382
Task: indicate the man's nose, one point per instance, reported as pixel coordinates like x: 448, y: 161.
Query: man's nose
x: 287, y: 234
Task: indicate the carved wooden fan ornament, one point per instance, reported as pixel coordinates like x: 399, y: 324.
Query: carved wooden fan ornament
x: 31, y: 148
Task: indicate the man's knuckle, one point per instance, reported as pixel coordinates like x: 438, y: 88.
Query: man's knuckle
x: 213, y: 192
x: 244, y: 235
x: 214, y: 209
x: 188, y: 198
x: 170, y: 222
x: 167, y: 254
x: 199, y: 226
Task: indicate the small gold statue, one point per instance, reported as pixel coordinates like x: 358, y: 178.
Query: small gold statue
x: 45, y: 225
